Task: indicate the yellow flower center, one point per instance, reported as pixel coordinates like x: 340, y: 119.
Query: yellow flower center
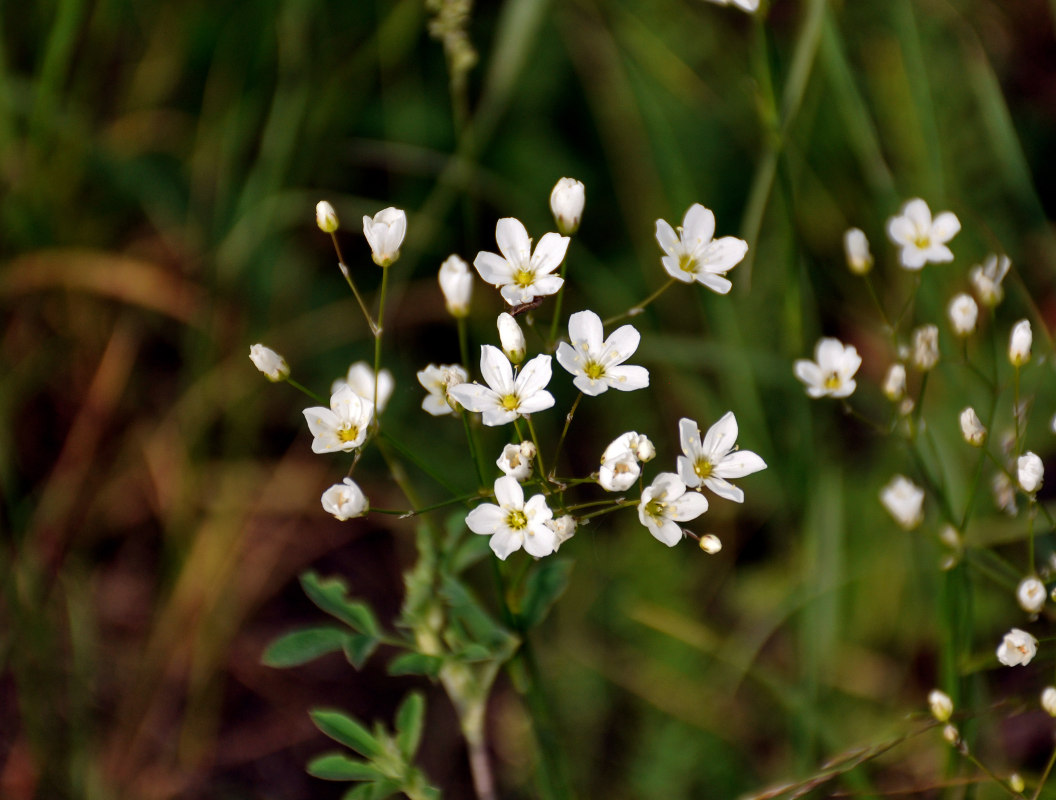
x: 703, y: 468
x: 594, y: 370
x: 923, y: 241
x: 510, y: 402
x: 348, y: 434
x: 516, y: 520
x: 523, y: 278
x: 687, y: 263
x: 654, y: 508
x: 832, y: 381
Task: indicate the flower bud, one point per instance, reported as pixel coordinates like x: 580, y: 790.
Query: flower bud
x: 925, y: 347
x: 941, y: 705
x: 325, y: 217
x: 972, y: 428
x: 564, y: 528
x: 1029, y: 472
x: 986, y: 279
x: 345, y: 500
x: 456, y: 282
x: 1019, y: 343
x: 1048, y: 700
x: 1017, y: 648
x: 385, y: 232
x: 644, y: 449
x: 895, y: 382
x: 1015, y: 783
x: 904, y: 501
x: 951, y: 735
x: 269, y: 362
x: 710, y: 544
x: 566, y: 203
x: 963, y: 313
x: 516, y: 460
x: 856, y: 248
x: 1031, y: 594
x: 511, y: 337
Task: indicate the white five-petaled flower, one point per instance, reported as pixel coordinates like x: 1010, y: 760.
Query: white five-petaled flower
x: 597, y: 364
x: 269, y: 362
x: 345, y: 500
x: 1031, y: 594
x: 986, y: 278
x: 516, y: 460
x: 456, y: 283
x: 385, y: 232
x: 921, y: 238
x: 361, y: 378
x: 520, y: 274
x: 506, y: 398
x: 1017, y: 648
x: 438, y: 380
x: 664, y: 503
x: 831, y: 373
x: 904, y: 501
x: 566, y: 203
x: 513, y: 523
x: 1019, y: 343
x: 963, y: 313
x: 711, y: 461
x: 325, y: 217
x: 856, y: 249
x: 344, y: 425
x: 1029, y: 472
x: 619, y: 463
x: 693, y: 255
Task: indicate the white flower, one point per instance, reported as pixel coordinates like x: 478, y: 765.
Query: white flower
x: 666, y: 502
x: 513, y: 523
x: 438, y: 380
x: 904, y: 500
x: 925, y: 347
x: 505, y: 398
x: 456, y: 282
x: 325, y: 217
x: 963, y: 313
x: 1017, y: 648
x: 511, y: 337
x: 832, y: 371
x: 566, y: 203
x: 269, y: 362
x: 344, y: 425
x: 597, y: 364
x: 922, y: 240
x: 894, y: 387
x: 1019, y: 343
x: 745, y: 5
x: 972, y: 427
x: 1048, y: 700
x: 692, y: 255
x: 711, y: 461
x: 385, y: 234
x: 1029, y: 472
x: 644, y: 449
x: 344, y: 500
x: 856, y: 249
x: 520, y: 274
x: 361, y: 378
x: 940, y: 704
x: 516, y: 460
x: 619, y: 463
x: 986, y: 279
x: 1031, y: 594
x: 564, y: 528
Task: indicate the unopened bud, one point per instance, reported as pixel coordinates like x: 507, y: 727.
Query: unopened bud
x: 940, y: 704
x: 566, y: 203
x: 972, y: 428
x: 895, y: 382
x: 325, y: 217
x: 1029, y: 472
x: 456, y: 282
x: 963, y: 313
x: 1031, y: 594
x: 925, y: 347
x: 511, y: 337
x: 1019, y: 343
x: 856, y: 248
x: 710, y: 544
x: 1015, y: 783
x: 1048, y: 700
x: 269, y: 362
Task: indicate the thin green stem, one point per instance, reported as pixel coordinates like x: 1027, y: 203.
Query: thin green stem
x: 1044, y: 776
x: 551, y: 341
x: 352, y: 285
x: 880, y: 308
x: 305, y: 389
x: 564, y: 431
x: 634, y: 311
x: 378, y: 330
x: 538, y: 455
x: 463, y: 342
x: 414, y: 512
x: 473, y: 451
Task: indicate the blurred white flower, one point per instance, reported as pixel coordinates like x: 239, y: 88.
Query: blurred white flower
x: 566, y: 203
x: 325, y: 217
x: 344, y: 425
x: 438, y: 380
x: 904, y: 501
x: 1017, y: 648
x: 692, y: 254
x: 856, y: 249
x: 963, y: 313
x: 1004, y: 493
x: 894, y: 386
x: 664, y: 503
x: 360, y: 377
x: 972, y: 427
x: 596, y: 364
x: 456, y: 282
x: 511, y: 337
x: 506, y: 398
x: 516, y: 460
x: 951, y: 734
x: 1019, y: 343
x: 940, y: 704
x: 1048, y: 700
x: 1029, y: 472
x: 564, y: 528
x: 831, y: 373
x: 619, y: 463
x: 519, y: 274
x: 1031, y: 594
x: 750, y: 6
x: 269, y: 362
x: 512, y: 523
x: 715, y: 459
x: 385, y: 232
x: 987, y: 277
x: 344, y: 500
x: 925, y: 347
x: 922, y: 239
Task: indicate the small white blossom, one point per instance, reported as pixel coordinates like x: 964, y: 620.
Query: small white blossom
x: 519, y: 274
x: 385, y: 232
x: 664, y: 503
x: 1048, y: 700
x: 511, y: 337
x: 619, y: 463
x: 344, y: 425
x: 269, y: 362
x: 831, y: 373
x: 715, y: 459
x: 506, y: 398
x: 951, y: 734
x: 566, y: 203
x: 710, y: 543
x: 325, y: 217
x: 344, y: 500
x: 1031, y: 594
x: 516, y: 460
x: 972, y: 428
x: 894, y: 387
x: 456, y: 282
x: 963, y: 313
x: 596, y: 364
x: 1017, y: 648
x: 1019, y: 343
x: 360, y: 377
x: 564, y: 528
x: 512, y: 523
x: 904, y: 501
x: 750, y: 6
x: 856, y: 249
x: 925, y: 347
x: 644, y: 449
x: 987, y: 277
x: 1029, y: 472
x: 693, y: 255
x: 438, y: 380
x: 940, y: 704
x: 921, y: 239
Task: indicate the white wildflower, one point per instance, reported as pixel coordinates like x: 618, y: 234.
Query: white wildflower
x: 512, y: 523
x: 344, y: 500
x: 344, y: 425
x: 693, y: 255
x: 921, y: 239
x: 519, y: 274
x: 832, y: 371
x: 665, y: 503
x: 716, y: 459
x: 904, y: 501
x: 506, y: 398
x: 385, y: 232
x: 597, y: 364
x: 1017, y: 648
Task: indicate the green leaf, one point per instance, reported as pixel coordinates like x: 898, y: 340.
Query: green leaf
x: 342, y: 728
x: 468, y: 553
x: 467, y: 610
x: 358, y: 648
x: 409, y: 718
x: 300, y: 647
x: 372, y: 791
x: 416, y: 664
x: 331, y: 595
x: 338, y: 767
x: 542, y: 589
